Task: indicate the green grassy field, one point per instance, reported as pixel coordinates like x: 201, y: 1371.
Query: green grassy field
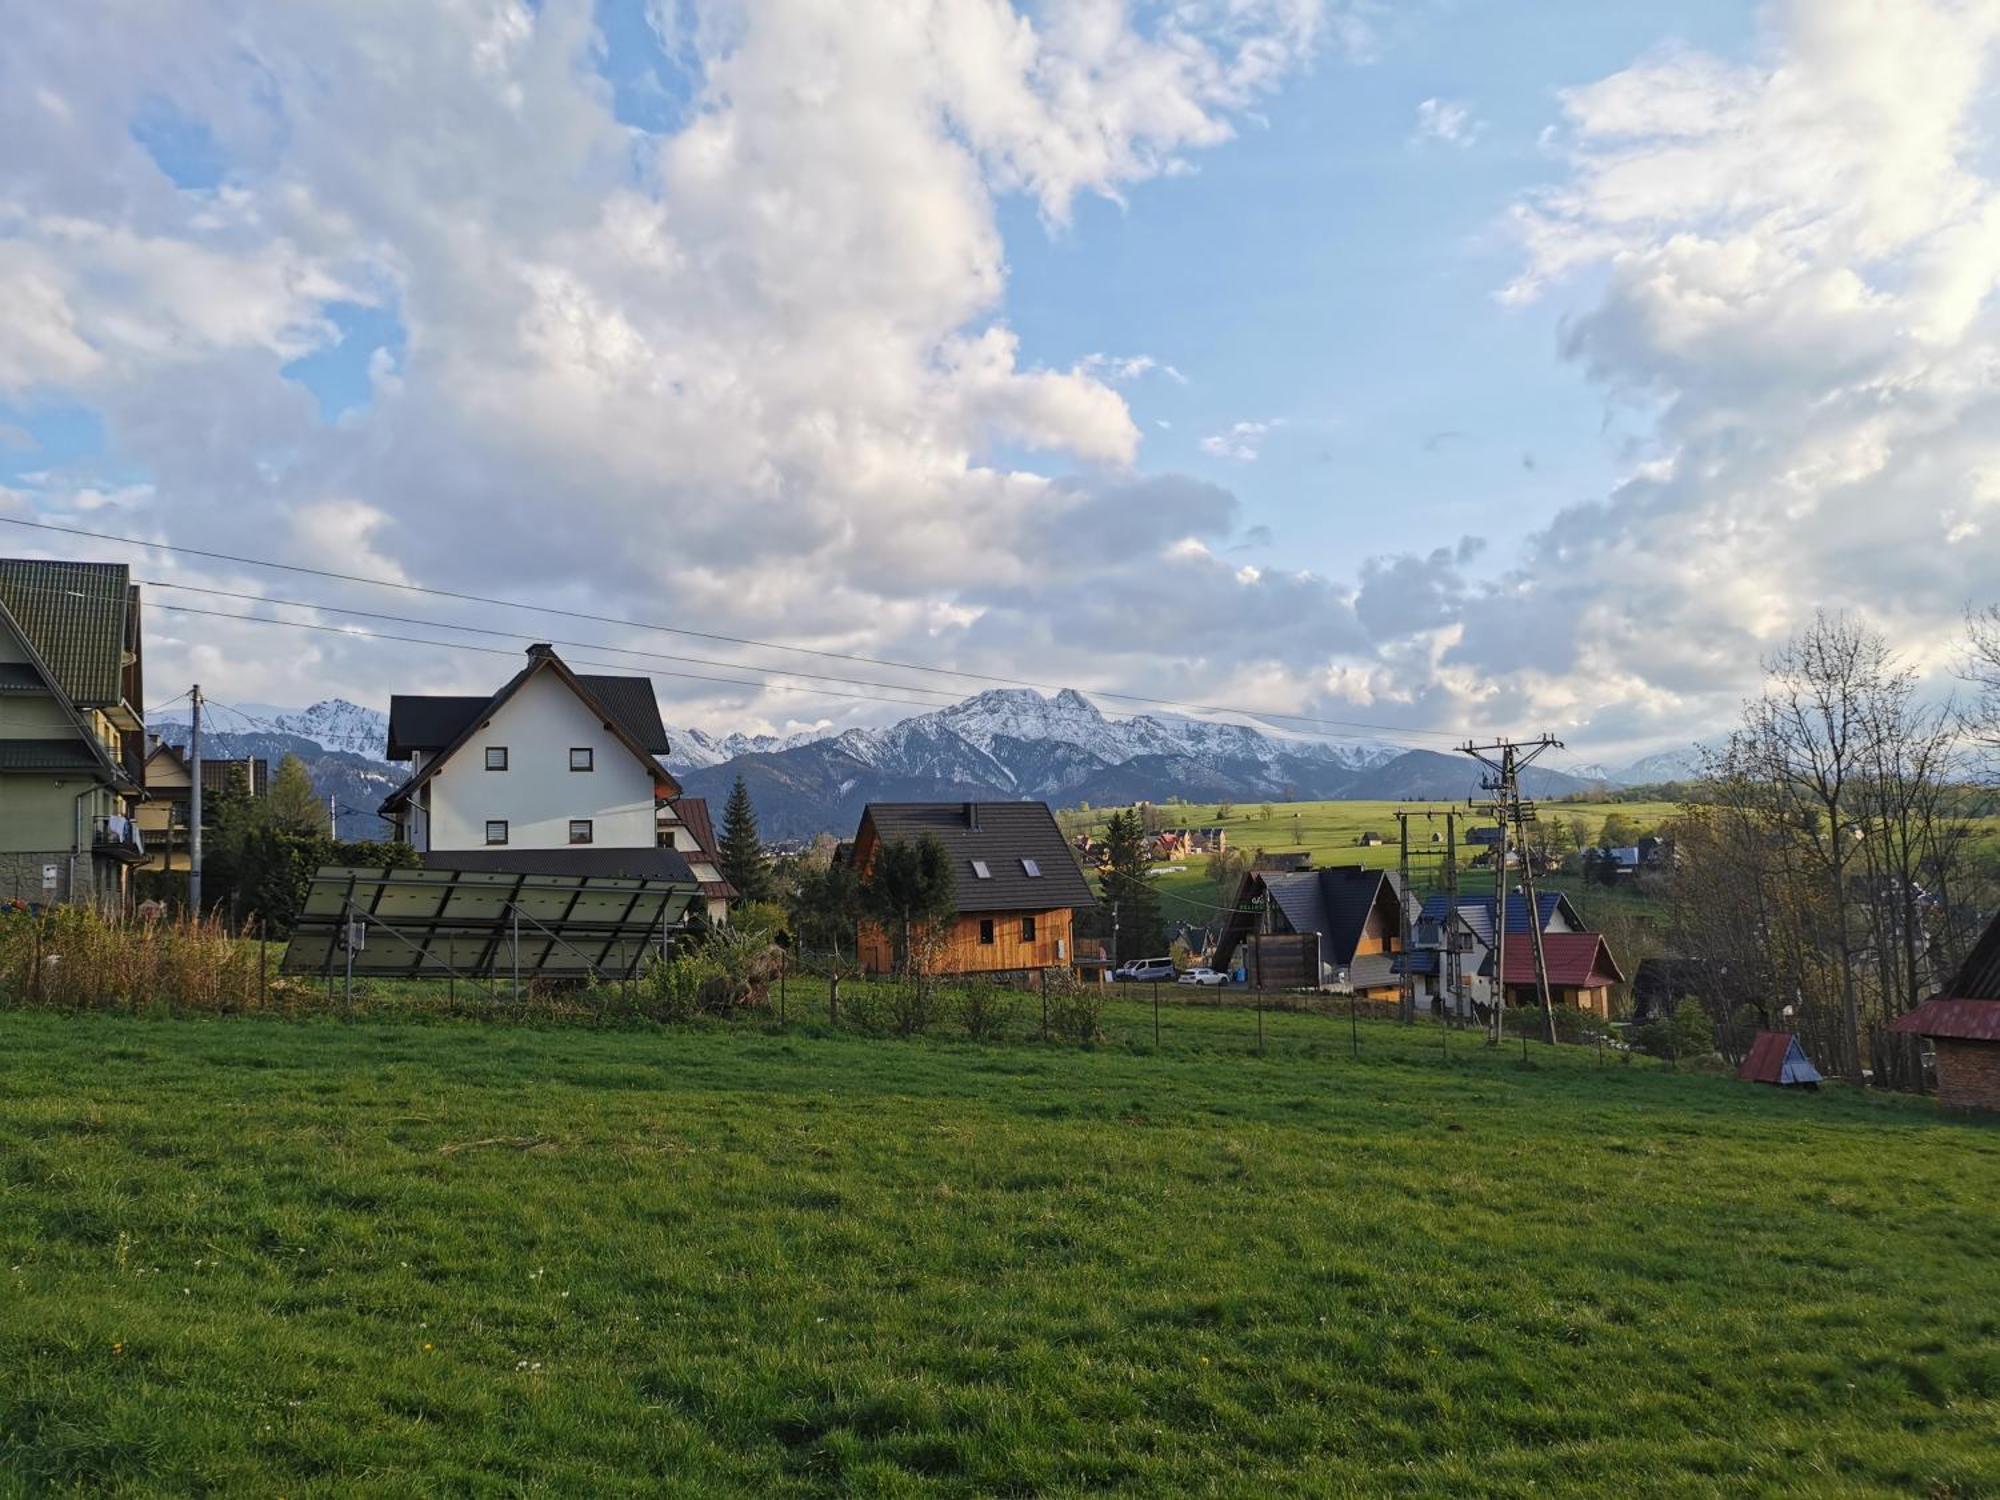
x: 314, y: 1259
x: 1332, y: 830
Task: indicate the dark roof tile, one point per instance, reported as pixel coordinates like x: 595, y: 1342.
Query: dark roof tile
x: 75, y: 614
x: 1008, y: 833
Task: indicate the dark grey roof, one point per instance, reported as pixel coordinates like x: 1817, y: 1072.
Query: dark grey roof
x: 630, y: 701
x: 75, y: 615
x: 427, y: 722
x: 1478, y: 911
x: 1334, y: 903
x: 1008, y: 832
x: 645, y: 864
x: 1978, y: 978
x: 46, y: 755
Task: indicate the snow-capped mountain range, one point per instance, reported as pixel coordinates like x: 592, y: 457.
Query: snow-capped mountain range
x: 1006, y: 742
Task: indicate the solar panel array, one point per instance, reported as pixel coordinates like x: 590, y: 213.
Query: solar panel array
x: 477, y: 923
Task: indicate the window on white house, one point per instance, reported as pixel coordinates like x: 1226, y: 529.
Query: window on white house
x: 496, y: 759
x: 582, y: 758
x: 980, y: 868
x: 1032, y: 870
x: 496, y: 830
x: 579, y: 830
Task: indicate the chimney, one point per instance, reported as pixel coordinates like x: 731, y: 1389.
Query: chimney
x: 540, y: 649
x: 972, y: 816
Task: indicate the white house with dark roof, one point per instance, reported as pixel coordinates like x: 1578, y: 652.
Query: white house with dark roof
x: 555, y: 760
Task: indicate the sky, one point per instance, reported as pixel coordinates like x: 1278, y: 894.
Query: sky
x: 1452, y: 367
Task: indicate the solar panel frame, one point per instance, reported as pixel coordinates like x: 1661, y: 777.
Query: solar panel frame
x: 433, y: 923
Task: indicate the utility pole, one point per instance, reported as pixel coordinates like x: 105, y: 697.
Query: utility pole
x: 194, y: 801
x: 1504, y: 761
x: 1451, y: 972
x: 1408, y: 987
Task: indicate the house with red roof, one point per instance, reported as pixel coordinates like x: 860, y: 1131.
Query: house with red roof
x: 1580, y: 968
x: 1963, y: 1026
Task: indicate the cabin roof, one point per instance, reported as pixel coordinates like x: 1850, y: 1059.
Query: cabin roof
x: 1000, y: 835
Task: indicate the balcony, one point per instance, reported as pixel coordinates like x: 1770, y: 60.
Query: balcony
x: 118, y: 838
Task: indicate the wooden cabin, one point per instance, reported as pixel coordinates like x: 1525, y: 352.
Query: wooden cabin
x: 1580, y: 968
x: 1305, y: 929
x: 1018, y: 883
x: 1963, y: 1025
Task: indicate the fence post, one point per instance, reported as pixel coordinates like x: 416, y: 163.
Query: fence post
x: 1045, y: 1005
x: 1156, y: 1015
x: 781, y: 986
x: 1354, y: 1023
x: 1260, y: 1023
x: 263, y: 968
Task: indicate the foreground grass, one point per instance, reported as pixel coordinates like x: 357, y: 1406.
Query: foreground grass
x: 316, y: 1259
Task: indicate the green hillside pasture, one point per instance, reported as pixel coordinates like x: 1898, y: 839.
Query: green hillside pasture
x: 1332, y: 831
x: 314, y: 1259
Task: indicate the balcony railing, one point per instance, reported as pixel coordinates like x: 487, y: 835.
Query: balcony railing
x: 117, y: 837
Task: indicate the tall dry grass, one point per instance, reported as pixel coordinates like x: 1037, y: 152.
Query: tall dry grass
x: 74, y: 958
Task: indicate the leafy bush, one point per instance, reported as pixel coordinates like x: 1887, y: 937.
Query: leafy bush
x: 1076, y: 1009
x: 1684, y: 1036
x: 988, y: 1010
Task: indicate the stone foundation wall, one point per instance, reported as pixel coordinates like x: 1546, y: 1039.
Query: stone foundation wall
x: 21, y: 877
x: 1968, y: 1074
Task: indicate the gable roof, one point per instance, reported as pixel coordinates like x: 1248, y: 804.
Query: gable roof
x: 1575, y: 960
x: 424, y: 721
x: 1969, y: 1008
x: 635, y: 723
x: 216, y: 771
x: 1478, y: 912
x: 75, y: 616
x: 1777, y: 1057
x: 1006, y: 833
x: 694, y: 813
x: 86, y: 752
x: 1333, y: 902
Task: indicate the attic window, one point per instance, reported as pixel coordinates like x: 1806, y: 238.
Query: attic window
x: 980, y: 868
x: 1032, y: 870
x: 496, y: 757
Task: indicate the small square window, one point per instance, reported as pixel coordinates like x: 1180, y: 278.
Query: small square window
x: 1027, y: 929
x: 496, y: 760
x: 1032, y: 870
x: 496, y: 830
x: 986, y: 929
x: 579, y: 830
x: 582, y: 758
x: 980, y: 868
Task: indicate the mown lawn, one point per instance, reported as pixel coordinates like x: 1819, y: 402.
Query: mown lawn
x: 321, y: 1259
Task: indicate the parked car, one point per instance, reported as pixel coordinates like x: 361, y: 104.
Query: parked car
x: 1203, y: 975
x: 1144, y: 970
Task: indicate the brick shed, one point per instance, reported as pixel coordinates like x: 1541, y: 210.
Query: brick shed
x: 1963, y: 1024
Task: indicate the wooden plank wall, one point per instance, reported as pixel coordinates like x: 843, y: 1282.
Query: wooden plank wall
x: 966, y: 954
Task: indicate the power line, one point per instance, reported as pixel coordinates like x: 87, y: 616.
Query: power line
x: 848, y: 656
x: 351, y: 633
x: 364, y: 614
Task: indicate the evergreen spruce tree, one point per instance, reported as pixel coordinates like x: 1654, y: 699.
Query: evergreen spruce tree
x: 744, y: 863
x: 1126, y: 886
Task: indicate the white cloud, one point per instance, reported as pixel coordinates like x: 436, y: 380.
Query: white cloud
x: 745, y: 373
x: 1798, y: 259
x: 1242, y: 441
x: 1448, y: 120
